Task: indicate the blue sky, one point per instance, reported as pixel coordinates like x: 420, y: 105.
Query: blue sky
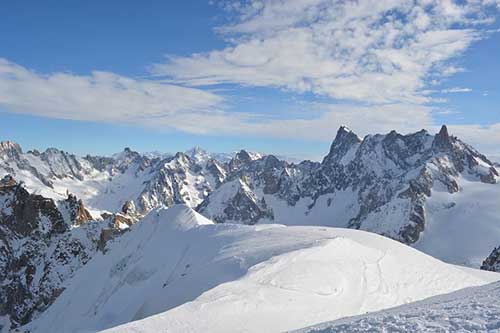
x: 272, y: 76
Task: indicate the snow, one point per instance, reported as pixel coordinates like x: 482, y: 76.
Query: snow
x: 350, y: 154
x: 222, y: 198
x: 463, y: 227
x: 332, y: 210
x: 470, y: 310
x: 177, y: 271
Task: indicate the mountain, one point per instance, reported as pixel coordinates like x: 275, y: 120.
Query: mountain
x: 97, y: 229
x: 107, y: 183
x: 433, y: 192
x: 42, y: 244
x: 176, y: 265
x: 492, y: 262
x: 470, y: 310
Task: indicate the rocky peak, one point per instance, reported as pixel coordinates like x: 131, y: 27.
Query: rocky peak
x: 77, y: 211
x: 26, y: 214
x: 100, y: 163
x: 492, y: 263
x: 180, y: 160
x: 10, y: 149
x: 343, y: 142
x: 128, y: 155
x: 34, y: 152
x: 442, y: 140
x: 39, y: 252
x: 272, y: 162
x: 237, y: 203
x: 8, y: 181
x: 128, y: 207
x: 217, y: 170
x: 197, y: 154
x: 241, y: 158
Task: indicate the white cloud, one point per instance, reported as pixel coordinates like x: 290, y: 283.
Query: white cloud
x: 376, y: 51
x: 485, y: 138
x: 456, y: 90
x: 107, y: 97
x: 363, y: 120
x: 102, y: 97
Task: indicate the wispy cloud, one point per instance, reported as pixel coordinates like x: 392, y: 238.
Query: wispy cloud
x: 370, y: 51
x: 115, y: 99
x: 103, y: 97
x: 456, y: 90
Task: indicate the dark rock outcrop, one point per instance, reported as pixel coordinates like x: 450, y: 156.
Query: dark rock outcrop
x: 38, y: 250
x: 492, y: 262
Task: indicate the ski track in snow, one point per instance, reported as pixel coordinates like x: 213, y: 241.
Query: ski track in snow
x: 474, y: 309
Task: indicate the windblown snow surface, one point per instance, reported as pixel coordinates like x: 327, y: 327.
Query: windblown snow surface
x: 176, y: 271
x: 474, y: 309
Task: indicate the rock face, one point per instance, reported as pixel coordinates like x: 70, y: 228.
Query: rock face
x: 39, y: 249
x: 492, y: 263
x: 236, y: 203
x: 77, y: 211
x: 368, y: 181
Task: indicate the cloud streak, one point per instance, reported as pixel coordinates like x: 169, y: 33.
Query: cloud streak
x: 111, y: 98
x: 102, y: 97
x: 373, y: 51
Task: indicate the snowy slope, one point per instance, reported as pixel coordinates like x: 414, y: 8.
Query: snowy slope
x: 180, y: 272
x: 462, y: 226
x: 474, y: 309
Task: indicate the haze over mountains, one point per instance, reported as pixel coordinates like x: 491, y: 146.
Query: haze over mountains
x: 102, y: 241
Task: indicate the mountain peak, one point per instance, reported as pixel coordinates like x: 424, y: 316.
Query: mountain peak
x: 344, y: 140
x: 443, y: 131
x: 7, y: 181
x: 343, y: 131
x: 442, y: 140
x: 181, y: 217
x: 10, y: 148
x: 243, y: 155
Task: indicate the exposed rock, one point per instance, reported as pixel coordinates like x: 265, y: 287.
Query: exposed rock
x: 128, y: 207
x: 442, y: 140
x: 492, y: 263
x: 236, y: 203
x: 241, y: 158
x: 9, y: 149
x: 38, y: 251
x: 383, y: 171
x: 77, y: 211
x: 217, y: 170
x: 344, y: 141
x: 8, y: 181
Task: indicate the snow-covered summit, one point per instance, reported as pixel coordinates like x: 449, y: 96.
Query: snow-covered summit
x: 181, y: 217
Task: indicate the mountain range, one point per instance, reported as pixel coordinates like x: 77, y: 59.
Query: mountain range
x: 74, y: 225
